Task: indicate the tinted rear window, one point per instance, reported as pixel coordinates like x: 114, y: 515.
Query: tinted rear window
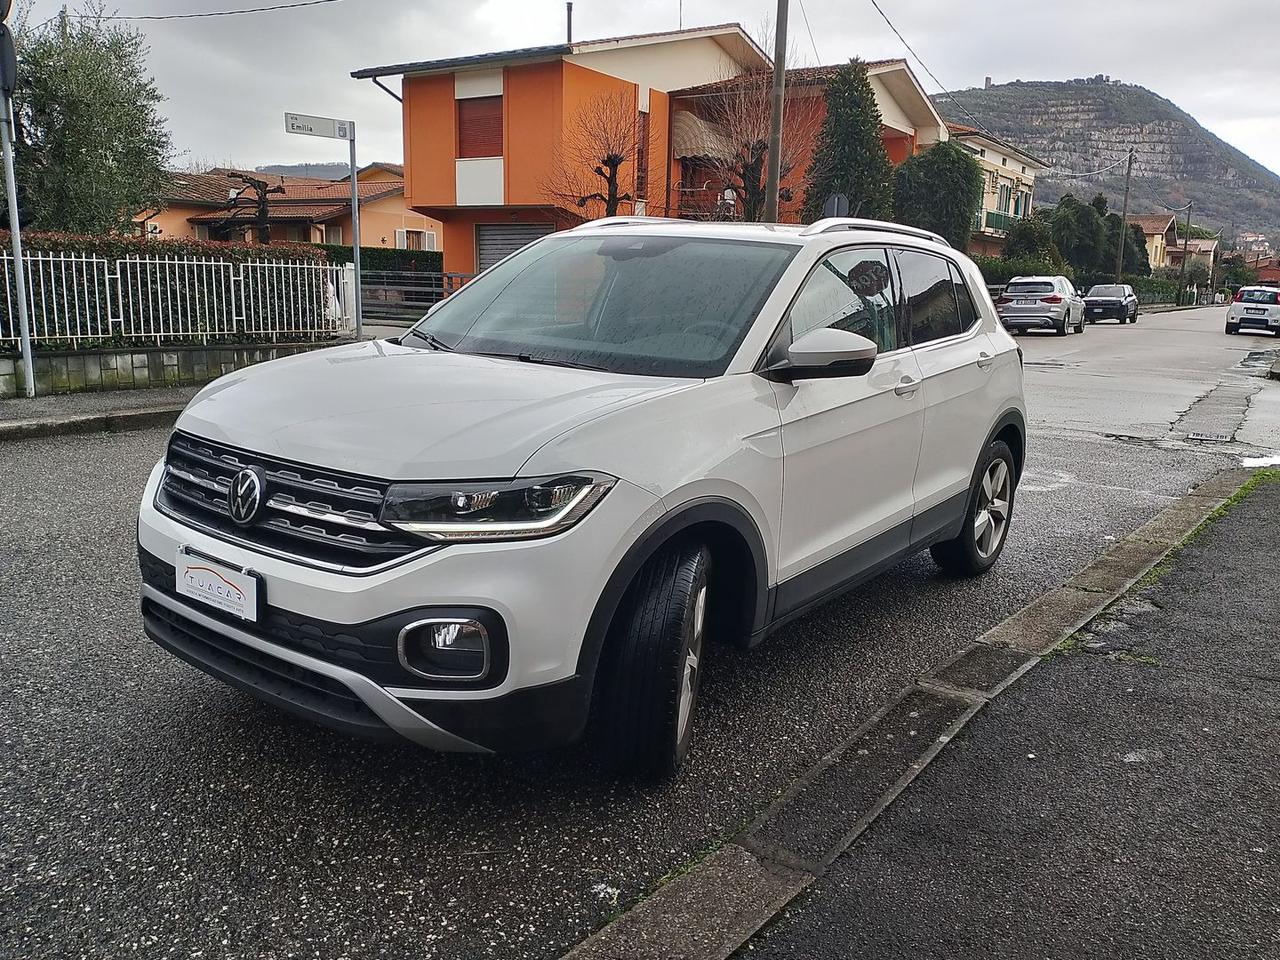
x: 1259, y: 296
x: 1037, y: 287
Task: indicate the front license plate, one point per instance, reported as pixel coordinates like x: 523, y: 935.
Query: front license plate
x: 1256, y: 311
x: 1095, y: 309
x: 217, y: 585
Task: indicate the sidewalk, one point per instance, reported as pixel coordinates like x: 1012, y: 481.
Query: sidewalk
x: 1120, y: 800
x: 91, y: 412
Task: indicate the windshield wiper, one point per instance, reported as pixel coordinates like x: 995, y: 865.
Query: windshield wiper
x: 431, y: 339
x: 530, y: 358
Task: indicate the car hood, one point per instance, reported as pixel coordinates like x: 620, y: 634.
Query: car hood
x: 396, y: 413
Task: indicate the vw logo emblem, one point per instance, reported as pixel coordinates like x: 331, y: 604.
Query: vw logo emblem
x: 244, y: 496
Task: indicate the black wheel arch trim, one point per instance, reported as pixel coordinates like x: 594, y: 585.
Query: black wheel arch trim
x: 1011, y: 417
x: 719, y: 510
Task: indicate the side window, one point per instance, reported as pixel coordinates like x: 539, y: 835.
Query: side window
x: 930, y: 296
x: 849, y: 290
x: 968, y: 312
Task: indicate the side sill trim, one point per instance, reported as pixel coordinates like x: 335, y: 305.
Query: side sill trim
x: 391, y: 711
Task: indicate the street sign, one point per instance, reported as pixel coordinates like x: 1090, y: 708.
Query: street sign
x: 318, y: 126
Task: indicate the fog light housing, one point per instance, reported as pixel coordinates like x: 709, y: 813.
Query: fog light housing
x: 445, y: 648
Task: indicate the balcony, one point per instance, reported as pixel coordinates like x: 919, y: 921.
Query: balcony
x: 1000, y: 222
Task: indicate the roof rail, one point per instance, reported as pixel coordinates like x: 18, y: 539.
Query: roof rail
x: 627, y: 220
x: 832, y: 224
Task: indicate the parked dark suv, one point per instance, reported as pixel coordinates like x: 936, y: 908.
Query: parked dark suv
x: 1115, y: 301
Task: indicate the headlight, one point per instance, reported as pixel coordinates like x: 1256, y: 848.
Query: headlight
x: 493, y: 510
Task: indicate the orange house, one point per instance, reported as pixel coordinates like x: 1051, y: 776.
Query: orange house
x: 484, y: 134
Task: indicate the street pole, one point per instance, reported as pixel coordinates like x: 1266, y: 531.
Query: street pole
x: 1186, y: 239
x: 355, y: 234
x: 1124, y: 218
x: 15, y: 238
x: 774, y: 172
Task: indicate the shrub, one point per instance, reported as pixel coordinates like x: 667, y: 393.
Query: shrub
x: 119, y: 247
x: 386, y: 258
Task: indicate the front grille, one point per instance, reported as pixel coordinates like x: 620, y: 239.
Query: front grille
x: 317, y: 515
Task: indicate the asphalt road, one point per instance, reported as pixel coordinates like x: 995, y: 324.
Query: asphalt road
x: 147, y: 810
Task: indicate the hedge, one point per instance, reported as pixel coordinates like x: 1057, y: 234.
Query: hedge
x: 1000, y: 270
x: 120, y: 247
x: 386, y: 258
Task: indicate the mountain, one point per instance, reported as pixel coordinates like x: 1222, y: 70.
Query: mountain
x: 1082, y: 125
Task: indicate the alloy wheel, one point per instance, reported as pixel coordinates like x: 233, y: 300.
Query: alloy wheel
x: 991, y: 519
x: 692, y: 662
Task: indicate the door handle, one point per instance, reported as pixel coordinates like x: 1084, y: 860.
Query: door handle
x: 906, y: 386
x: 984, y: 360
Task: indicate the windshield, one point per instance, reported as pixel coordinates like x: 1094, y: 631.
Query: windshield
x: 1103, y: 290
x: 1259, y: 296
x: 1030, y: 286
x: 655, y: 305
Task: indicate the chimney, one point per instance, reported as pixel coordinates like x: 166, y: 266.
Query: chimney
x: 987, y: 84
x: 568, y: 27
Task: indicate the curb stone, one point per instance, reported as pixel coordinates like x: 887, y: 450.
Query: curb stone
x: 715, y: 907
x: 111, y: 422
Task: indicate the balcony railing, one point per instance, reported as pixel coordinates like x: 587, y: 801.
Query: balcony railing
x: 1000, y: 221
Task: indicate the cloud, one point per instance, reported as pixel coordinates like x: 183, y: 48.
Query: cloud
x: 229, y: 80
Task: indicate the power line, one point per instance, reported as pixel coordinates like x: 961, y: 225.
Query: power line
x: 925, y: 67
x: 211, y: 13
x: 1090, y: 173
x: 804, y: 13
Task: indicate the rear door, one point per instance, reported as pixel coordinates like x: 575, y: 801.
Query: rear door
x: 850, y: 443
x: 955, y: 357
x: 497, y: 240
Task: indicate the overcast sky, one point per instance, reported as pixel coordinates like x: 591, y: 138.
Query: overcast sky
x: 229, y: 80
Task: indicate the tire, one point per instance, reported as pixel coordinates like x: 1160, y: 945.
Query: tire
x: 652, y: 670
x: 1063, y: 329
x: 966, y: 555
x: 1233, y: 328
x: 1080, y: 325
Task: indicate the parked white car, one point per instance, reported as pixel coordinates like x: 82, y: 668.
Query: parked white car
x: 1254, y: 308
x: 1041, y: 303
x: 619, y: 442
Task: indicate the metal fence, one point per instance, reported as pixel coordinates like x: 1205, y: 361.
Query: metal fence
x: 405, y: 294
x: 74, y: 298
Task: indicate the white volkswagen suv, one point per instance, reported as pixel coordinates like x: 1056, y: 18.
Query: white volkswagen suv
x: 535, y: 507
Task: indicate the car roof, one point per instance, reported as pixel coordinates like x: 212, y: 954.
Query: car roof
x: 797, y: 234
x: 1043, y: 279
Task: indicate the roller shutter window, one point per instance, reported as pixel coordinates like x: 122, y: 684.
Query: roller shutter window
x: 497, y: 240
x: 480, y: 127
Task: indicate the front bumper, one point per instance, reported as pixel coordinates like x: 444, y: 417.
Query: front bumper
x: 323, y: 646
x: 1110, y: 312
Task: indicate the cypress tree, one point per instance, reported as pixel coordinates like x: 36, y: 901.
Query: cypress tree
x: 849, y: 156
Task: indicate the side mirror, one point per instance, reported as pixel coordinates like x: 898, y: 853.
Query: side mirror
x: 826, y: 352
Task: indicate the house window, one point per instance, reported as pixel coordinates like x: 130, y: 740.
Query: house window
x: 1024, y: 168
x: 982, y: 152
x: 642, y: 155
x: 1004, y: 161
x: 416, y: 239
x: 1005, y: 198
x: 480, y: 127
x: 333, y: 233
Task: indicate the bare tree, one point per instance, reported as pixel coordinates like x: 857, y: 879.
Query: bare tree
x: 593, y: 170
x: 741, y: 111
x: 254, y: 195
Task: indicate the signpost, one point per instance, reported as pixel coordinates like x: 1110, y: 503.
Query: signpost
x: 8, y: 79
x: 309, y: 126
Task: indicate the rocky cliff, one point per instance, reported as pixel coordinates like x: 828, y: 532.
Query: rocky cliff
x: 1081, y: 125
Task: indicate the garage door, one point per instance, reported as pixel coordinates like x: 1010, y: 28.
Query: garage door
x: 497, y: 240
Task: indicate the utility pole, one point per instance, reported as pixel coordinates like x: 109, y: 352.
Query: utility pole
x: 774, y: 172
x: 1186, y: 239
x: 1124, y: 218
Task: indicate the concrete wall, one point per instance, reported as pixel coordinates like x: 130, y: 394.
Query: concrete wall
x: 59, y: 371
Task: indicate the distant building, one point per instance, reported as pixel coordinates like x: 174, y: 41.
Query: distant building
x: 1203, y: 252
x: 310, y: 210
x: 1161, y: 232
x: 1008, y: 183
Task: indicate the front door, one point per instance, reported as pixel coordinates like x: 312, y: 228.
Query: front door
x: 850, y: 443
